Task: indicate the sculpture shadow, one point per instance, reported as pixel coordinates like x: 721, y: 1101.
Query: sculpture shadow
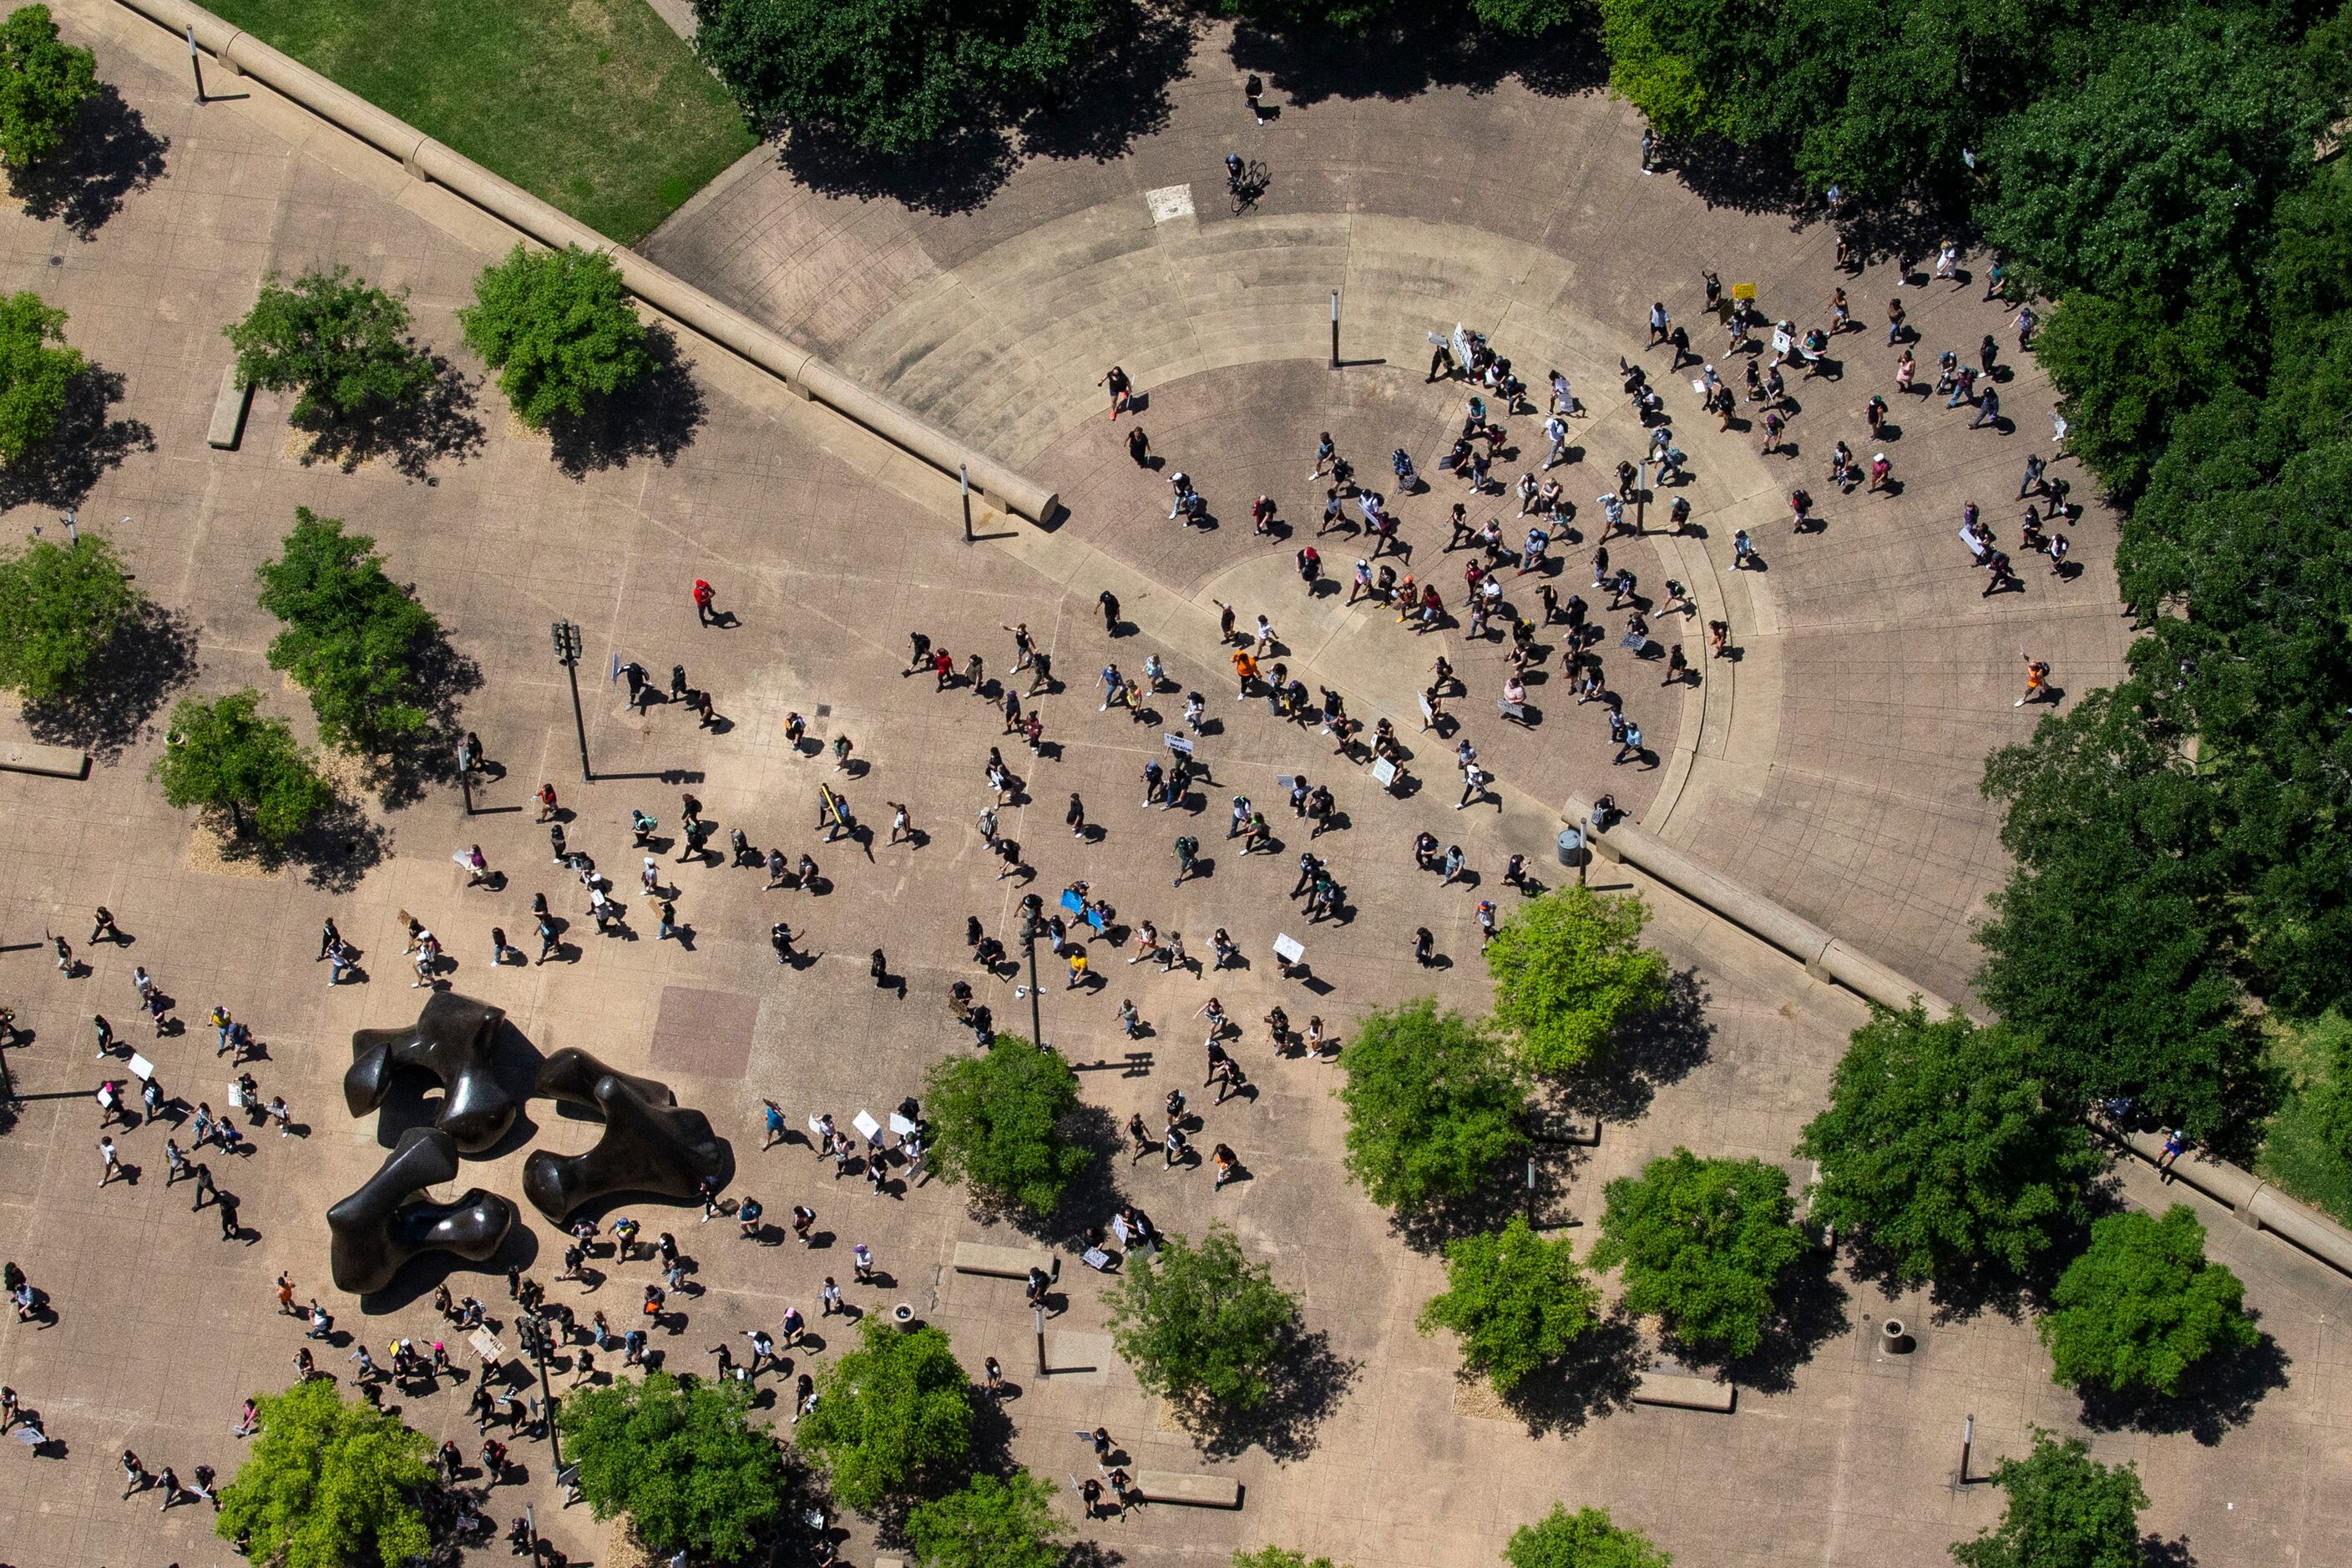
x: 86, y: 442
x: 656, y: 418
x: 2218, y: 1396
x: 150, y: 655
x: 111, y: 156
x: 408, y: 437
x: 1655, y: 1049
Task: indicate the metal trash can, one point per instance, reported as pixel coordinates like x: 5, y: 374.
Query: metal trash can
x: 1572, y: 846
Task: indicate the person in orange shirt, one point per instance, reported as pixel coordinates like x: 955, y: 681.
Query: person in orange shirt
x: 2037, y: 681
x: 1245, y: 669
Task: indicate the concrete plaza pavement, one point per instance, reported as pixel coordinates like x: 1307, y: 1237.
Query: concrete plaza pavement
x: 830, y: 547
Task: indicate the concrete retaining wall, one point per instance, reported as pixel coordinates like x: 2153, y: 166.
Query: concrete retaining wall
x: 2255, y: 1201
x: 797, y: 367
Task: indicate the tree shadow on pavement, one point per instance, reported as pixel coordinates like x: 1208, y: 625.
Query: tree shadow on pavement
x: 111, y: 155
x: 2215, y: 1398
x: 1721, y: 172
x: 1092, y: 1196
x: 656, y: 418
x: 1595, y: 1378
x: 1412, y: 53
x: 150, y: 657
x: 410, y: 437
x: 1119, y: 94
x: 445, y: 678
x: 1812, y: 1311
x: 87, y: 442
x: 333, y: 853
x: 956, y: 173
x: 1657, y: 1048
x: 1306, y: 1384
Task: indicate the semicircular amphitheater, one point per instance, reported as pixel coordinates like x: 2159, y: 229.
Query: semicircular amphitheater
x: 1829, y: 759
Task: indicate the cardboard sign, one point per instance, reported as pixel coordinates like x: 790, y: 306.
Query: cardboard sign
x: 864, y: 1124
x: 1743, y: 291
x: 486, y: 1345
x: 1179, y: 744
x: 141, y: 1067
x: 1385, y: 772
x: 1288, y: 950
x: 1516, y: 712
x: 1781, y: 343
x: 900, y: 1125
x: 1428, y: 714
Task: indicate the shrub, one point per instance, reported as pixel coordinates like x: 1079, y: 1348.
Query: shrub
x: 60, y: 605
x: 892, y: 1417
x: 1703, y: 1243
x: 996, y: 1121
x: 2141, y: 1307
x: 680, y: 1457
x: 1433, y: 1105
x: 1517, y: 1300
x: 558, y: 327
x: 224, y: 756
x: 340, y: 344
x: 1202, y: 1326
x: 1569, y: 967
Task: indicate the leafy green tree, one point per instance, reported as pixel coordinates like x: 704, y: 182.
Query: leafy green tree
x: 2111, y: 940
x: 1672, y: 59
x: 1201, y: 1325
x: 1703, y: 1243
x: 35, y: 374
x: 1517, y: 1300
x: 1526, y: 18
x: 224, y: 756
x: 1941, y: 1149
x: 890, y: 75
x: 2065, y: 1509
x: 1585, y: 1539
x: 892, y: 1417
x: 2307, y: 1147
x: 988, y: 1523
x: 328, y: 1484
x: 1433, y: 1105
x: 353, y: 635
x: 998, y: 1120
x: 60, y: 605
x: 337, y: 341
x: 558, y: 327
x: 43, y: 83
x: 2154, y: 172
x: 679, y: 1458
x: 1278, y: 1557
x: 1569, y: 967
x: 2141, y: 1307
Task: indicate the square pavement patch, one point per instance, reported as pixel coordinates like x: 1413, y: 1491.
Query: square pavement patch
x: 1072, y: 1357
x: 1169, y: 202
x: 706, y: 1033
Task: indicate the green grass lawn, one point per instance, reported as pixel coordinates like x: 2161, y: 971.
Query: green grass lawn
x: 594, y: 106
x: 2298, y: 1154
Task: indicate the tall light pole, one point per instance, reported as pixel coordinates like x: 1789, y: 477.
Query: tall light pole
x: 566, y: 635
x: 963, y: 481
x: 1334, y: 329
x: 1031, y: 907
x: 537, y: 1345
